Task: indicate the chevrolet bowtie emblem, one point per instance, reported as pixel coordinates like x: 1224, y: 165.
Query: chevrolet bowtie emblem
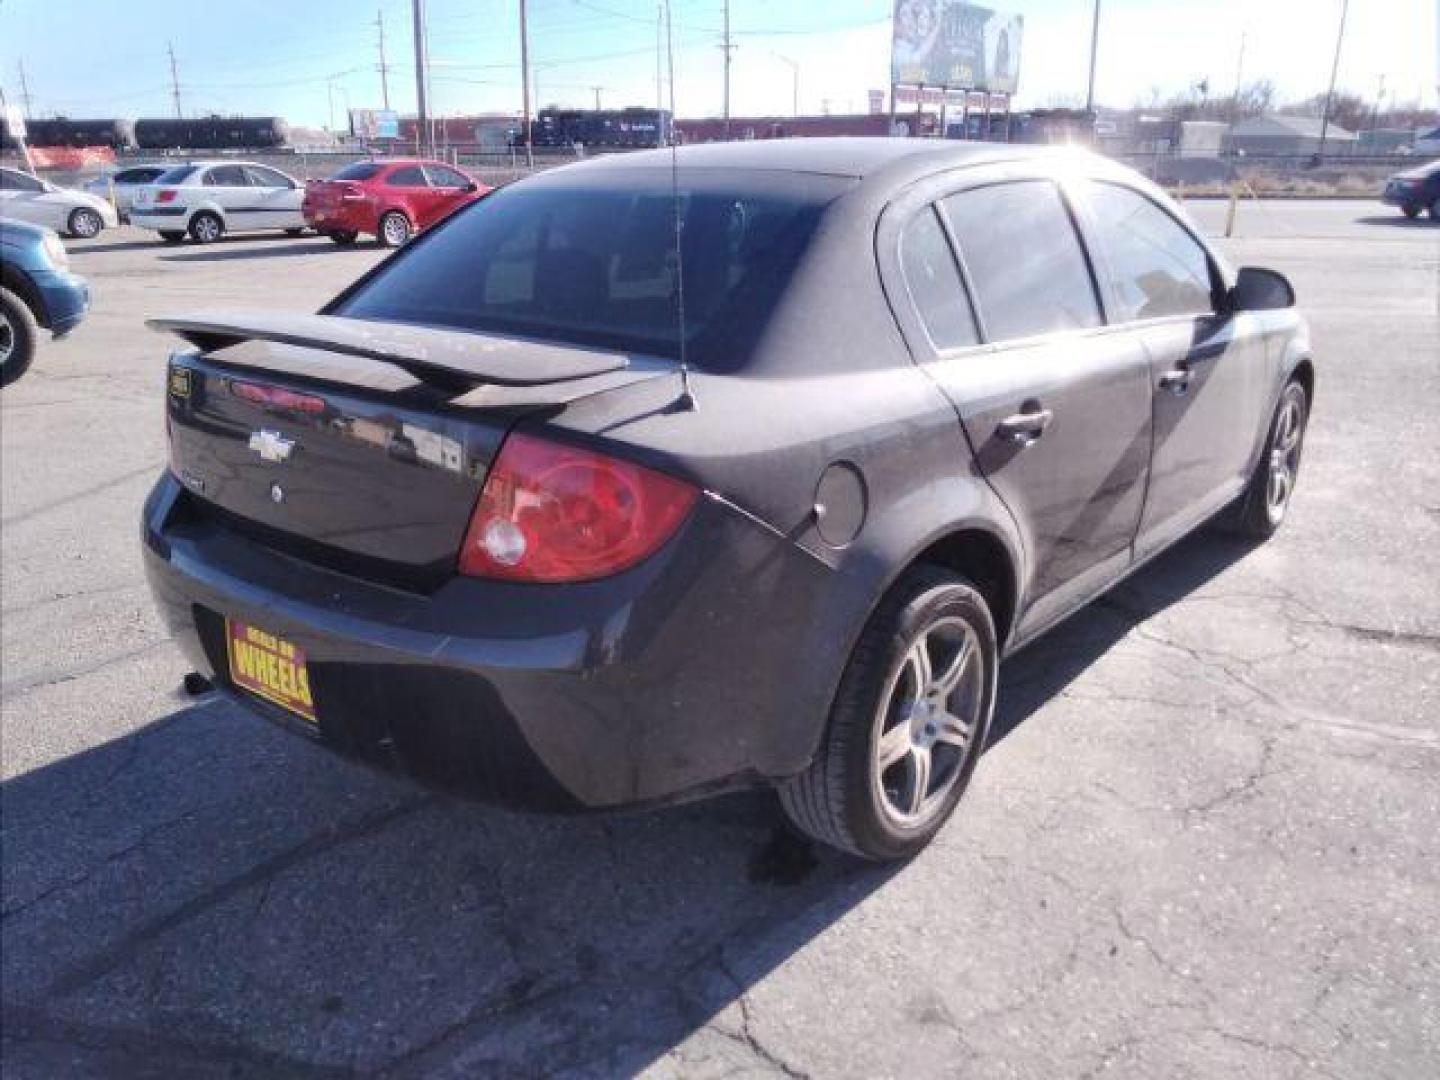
x: 271, y: 445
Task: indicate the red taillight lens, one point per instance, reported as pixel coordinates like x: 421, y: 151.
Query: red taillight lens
x: 557, y: 513
x: 166, y: 196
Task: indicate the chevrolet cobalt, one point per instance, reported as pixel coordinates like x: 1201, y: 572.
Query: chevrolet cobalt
x: 644, y: 479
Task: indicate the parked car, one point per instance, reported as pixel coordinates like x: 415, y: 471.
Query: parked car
x: 76, y: 213
x: 207, y: 199
x: 37, y: 291
x: 121, y: 185
x: 1414, y: 190
x: 509, y: 521
x: 391, y: 199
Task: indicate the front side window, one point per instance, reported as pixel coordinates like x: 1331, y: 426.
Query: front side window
x: 137, y: 176
x: 1024, y: 259
x: 260, y: 176
x: 409, y: 176
x: 934, y: 282
x: 1155, y: 268
x: 226, y: 176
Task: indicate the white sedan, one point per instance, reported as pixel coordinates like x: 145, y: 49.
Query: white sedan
x: 207, y: 199
x: 119, y: 187
x: 75, y: 213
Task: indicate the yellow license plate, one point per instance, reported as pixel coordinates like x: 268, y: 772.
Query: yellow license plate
x: 270, y: 667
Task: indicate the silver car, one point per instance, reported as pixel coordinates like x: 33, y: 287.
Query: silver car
x: 74, y: 213
x: 118, y: 188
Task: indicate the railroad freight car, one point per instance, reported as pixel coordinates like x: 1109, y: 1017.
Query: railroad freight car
x: 213, y: 133
x: 61, y: 131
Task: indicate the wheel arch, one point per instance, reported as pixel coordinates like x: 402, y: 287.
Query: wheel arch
x: 987, y: 561
x: 19, y: 283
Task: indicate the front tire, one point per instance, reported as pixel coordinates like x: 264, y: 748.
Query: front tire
x: 18, y: 334
x: 1410, y: 210
x: 1266, y: 500
x: 394, y: 229
x: 84, y: 223
x: 206, y: 228
x: 908, y: 724
x: 294, y: 232
x: 344, y: 237
x: 172, y: 236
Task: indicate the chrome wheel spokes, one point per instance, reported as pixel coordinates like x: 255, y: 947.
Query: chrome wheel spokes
x: 925, y: 724
x: 1284, y: 457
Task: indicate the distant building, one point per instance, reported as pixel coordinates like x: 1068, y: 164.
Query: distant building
x: 1284, y: 136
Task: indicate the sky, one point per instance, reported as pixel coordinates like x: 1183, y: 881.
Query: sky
x: 308, y: 60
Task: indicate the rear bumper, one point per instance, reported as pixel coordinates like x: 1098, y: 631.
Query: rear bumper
x: 699, y: 670
x: 355, y: 217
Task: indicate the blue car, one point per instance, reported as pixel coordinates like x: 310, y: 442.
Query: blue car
x: 1414, y: 190
x: 37, y: 290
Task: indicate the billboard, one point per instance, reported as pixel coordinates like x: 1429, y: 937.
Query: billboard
x: 374, y: 124
x: 949, y: 43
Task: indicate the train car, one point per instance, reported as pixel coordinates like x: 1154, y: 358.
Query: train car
x: 213, y: 133
x: 629, y: 128
x: 713, y: 129
x: 64, y: 132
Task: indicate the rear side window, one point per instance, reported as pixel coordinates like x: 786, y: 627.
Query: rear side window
x: 410, y: 176
x: 934, y: 282
x: 226, y: 176
x: 260, y: 176
x: 441, y: 176
x: 1154, y: 266
x: 1024, y: 259
x: 361, y: 170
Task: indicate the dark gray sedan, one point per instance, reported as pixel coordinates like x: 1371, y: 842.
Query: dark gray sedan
x: 629, y: 485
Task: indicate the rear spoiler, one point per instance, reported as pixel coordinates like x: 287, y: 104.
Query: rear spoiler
x: 450, y: 359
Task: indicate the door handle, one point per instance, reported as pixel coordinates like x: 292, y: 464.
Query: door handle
x: 1025, y: 427
x: 1177, y: 381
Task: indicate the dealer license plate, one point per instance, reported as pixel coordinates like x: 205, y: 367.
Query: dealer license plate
x: 269, y: 666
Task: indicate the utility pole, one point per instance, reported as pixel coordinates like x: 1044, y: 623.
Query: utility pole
x: 174, y: 80
x: 24, y: 90
x: 1375, y: 112
x: 597, y: 90
x: 422, y: 115
x: 1334, y: 70
x: 525, y: 82
x: 1239, y: 81
x: 1094, y: 49
x: 659, y: 48
x: 729, y: 48
x: 384, y: 67
x: 794, y: 82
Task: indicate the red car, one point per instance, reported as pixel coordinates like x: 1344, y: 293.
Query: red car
x: 391, y: 199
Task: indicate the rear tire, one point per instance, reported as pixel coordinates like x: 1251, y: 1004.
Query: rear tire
x: 1262, y: 508
x: 18, y: 334
x: 206, y: 228
x: 294, y: 232
x: 905, y: 733
x: 84, y: 223
x: 394, y: 230
x: 1410, y: 210
x: 344, y: 238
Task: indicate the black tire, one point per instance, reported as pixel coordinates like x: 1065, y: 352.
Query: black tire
x: 344, y: 238
x: 1257, y: 515
x: 206, y: 228
x: 84, y: 223
x: 1410, y: 210
x: 839, y: 799
x: 294, y: 232
x: 171, y: 236
x: 394, y: 229
x: 19, y: 332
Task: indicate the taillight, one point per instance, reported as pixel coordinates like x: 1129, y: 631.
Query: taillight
x: 167, y: 195
x: 275, y: 397
x: 557, y: 513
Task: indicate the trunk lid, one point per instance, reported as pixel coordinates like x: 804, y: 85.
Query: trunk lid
x: 359, y: 446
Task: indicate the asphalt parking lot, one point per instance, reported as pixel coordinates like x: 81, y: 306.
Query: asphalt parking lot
x: 1205, y: 843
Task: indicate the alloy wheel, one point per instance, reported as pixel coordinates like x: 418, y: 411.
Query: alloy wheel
x: 7, y: 339
x: 925, y: 724
x: 397, y: 229
x: 207, y: 230
x: 1284, y: 456
x: 86, y: 224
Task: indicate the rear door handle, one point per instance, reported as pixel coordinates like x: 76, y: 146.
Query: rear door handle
x: 1025, y: 427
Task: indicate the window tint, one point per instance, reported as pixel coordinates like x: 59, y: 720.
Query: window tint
x: 260, y: 176
x: 361, y: 170
x: 137, y: 176
x: 177, y: 175
x: 1154, y: 266
x: 226, y: 176
x: 11, y: 180
x: 934, y: 281
x: 441, y: 176
x: 597, y: 265
x: 1025, y: 262
x: 409, y: 176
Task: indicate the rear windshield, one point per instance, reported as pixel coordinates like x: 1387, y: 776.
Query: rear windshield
x: 177, y: 175
x: 597, y: 263
x: 361, y: 170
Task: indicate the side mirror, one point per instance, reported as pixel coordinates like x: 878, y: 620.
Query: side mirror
x: 471, y: 186
x: 1258, y: 289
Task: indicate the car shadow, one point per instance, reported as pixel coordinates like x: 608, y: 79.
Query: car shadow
x: 223, y: 251
x: 1400, y: 221
x: 210, y: 896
